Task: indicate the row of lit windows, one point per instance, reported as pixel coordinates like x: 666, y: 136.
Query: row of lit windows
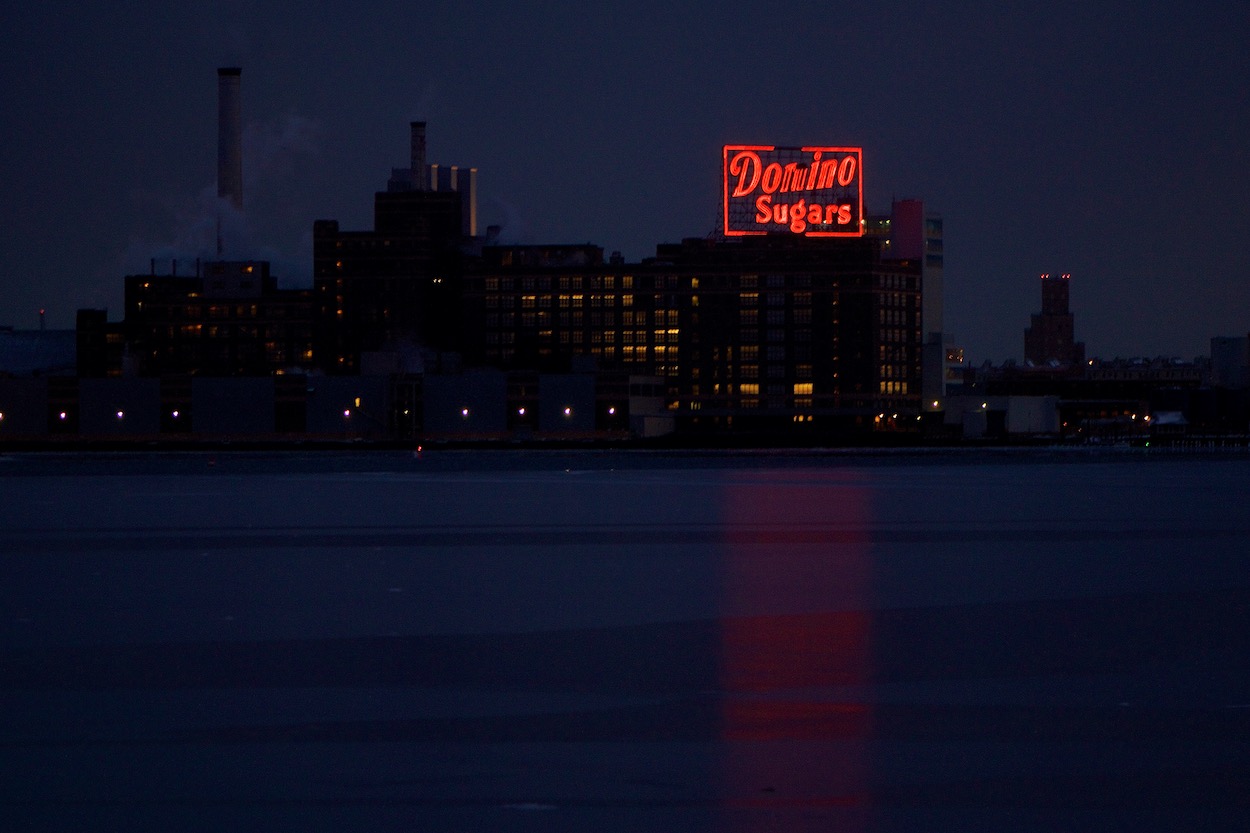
x: 800, y: 281
x: 660, y: 353
x: 753, y: 389
x: 749, y: 334
x: 776, y: 299
x: 156, y: 312
x: 898, y: 282
x: 577, y: 318
x: 658, y: 356
x: 893, y: 387
x: 546, y: 301
x: 572, y: 283
x: 899, y: 299
x: 796, y: 300
x: 751, y: 352
x: 775, y: 317
x: 236, y: 331
x: 894, y: 317
x: 893, y: 353
x: 243, y: 349
x: 564, y: 283
x: 660, y: 338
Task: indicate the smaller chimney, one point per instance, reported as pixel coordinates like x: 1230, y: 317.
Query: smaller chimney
x: 418, y: 156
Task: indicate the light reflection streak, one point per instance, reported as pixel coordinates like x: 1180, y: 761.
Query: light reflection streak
x: 795, y: 637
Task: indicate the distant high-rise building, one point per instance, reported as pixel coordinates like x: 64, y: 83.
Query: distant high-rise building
x: 1050, y: 338
x: 913, y: 234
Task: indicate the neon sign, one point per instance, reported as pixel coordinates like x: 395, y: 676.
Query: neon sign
x: 813, y: 191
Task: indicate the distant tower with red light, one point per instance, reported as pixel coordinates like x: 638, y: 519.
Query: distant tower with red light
x: 1050, y: 339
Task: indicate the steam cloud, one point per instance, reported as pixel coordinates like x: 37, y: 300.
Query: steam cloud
x: 273, y: 154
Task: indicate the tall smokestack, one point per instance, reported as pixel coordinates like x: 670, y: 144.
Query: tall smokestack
x: 229, y: 137
x: 419, y: 176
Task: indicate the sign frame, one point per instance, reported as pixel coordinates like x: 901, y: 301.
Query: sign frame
x: 760, y: 184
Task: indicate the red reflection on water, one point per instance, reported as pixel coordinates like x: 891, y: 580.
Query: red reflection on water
x: 795, y: 651
x: 794, y: 720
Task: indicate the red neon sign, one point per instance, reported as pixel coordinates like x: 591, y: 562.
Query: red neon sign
x: 813, y: 191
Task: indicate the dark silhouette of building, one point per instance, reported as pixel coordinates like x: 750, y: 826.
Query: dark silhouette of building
x: 1050, y: 338
x: 230, y: 320
x: 746, y: 333
x: 743, y: 331
x: 398, y: 284
x: 909, y: 232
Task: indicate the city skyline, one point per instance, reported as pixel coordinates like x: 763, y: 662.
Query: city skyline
x: 1100, y: 143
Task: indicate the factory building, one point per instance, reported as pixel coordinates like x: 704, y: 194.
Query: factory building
x: 395, y: 288
x: 798, y: 317
x: 230, y: 319
x: 761, y: 327
x: 759, y: 333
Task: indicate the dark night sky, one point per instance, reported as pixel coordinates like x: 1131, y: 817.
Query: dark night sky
x: 1102, y: 139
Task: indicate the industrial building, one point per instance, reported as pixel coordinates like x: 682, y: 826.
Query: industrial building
x: 751, y: 334
x: 396, y: 287
x: 802, y: 317
x: 758, y: 331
